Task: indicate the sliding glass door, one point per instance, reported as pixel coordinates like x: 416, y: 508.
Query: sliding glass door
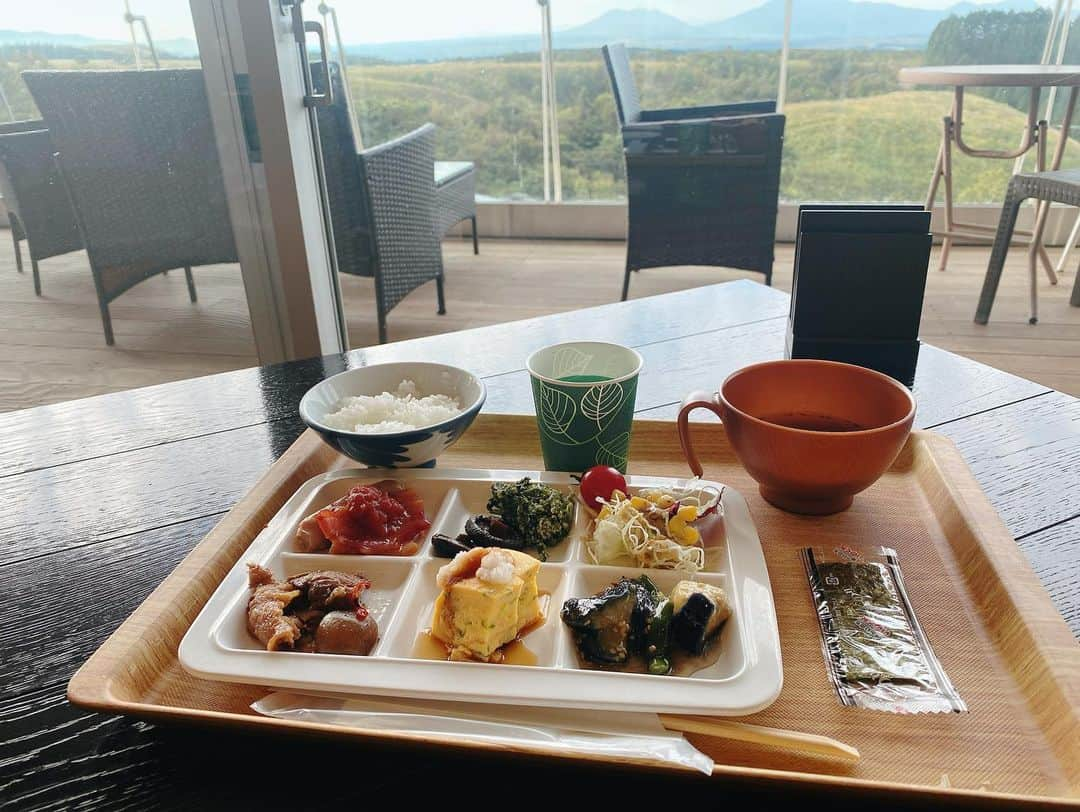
x: 162, y: 205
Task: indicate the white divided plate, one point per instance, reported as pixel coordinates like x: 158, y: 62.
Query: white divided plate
x: 745, y: 678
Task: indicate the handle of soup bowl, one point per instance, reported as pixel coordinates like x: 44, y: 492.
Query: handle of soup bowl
x: 695, y: 400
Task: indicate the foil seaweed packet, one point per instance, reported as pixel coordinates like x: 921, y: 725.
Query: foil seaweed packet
x: 876, y: 654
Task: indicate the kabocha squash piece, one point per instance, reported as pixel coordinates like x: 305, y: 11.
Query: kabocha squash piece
x: 603, y: 625
x: 700, y: 610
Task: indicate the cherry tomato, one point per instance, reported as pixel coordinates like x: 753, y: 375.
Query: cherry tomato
x: 598, y: 483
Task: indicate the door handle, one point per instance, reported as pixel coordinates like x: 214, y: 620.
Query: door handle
x: 301, y: 28
x: 326, y: 98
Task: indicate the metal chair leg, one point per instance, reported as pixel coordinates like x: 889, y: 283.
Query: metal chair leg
x: 626, y: 282
x: 441, y: 295
x: 997, y: 255
x: 382, y: 330
x: 1035, y: 253
x: 18, y: 251
x: 475, y: 238
x: 1033, y: 284
x: 190, y: 284
x: 1069, y: 245
x: 106, y: 323
x: 37, y: 276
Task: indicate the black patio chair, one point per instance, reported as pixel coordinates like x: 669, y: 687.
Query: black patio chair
x: 703, y: 183
x: 38, y: 208
x: 383, y: 206
x: 138, y: 158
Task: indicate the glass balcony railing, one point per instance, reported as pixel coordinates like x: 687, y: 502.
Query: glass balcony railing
x: 852, y: 132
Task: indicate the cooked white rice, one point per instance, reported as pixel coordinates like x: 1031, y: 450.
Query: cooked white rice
x: 390, y: 412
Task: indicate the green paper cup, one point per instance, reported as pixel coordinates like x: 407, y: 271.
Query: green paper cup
x: 584, y: 393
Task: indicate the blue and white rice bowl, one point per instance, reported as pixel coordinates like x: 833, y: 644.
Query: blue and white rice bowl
x: 401, y: 449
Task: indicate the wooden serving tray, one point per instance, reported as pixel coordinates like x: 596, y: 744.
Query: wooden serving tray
x: 1009, y: 653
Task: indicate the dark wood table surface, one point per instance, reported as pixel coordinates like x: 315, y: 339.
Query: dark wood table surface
x: 100, y: 498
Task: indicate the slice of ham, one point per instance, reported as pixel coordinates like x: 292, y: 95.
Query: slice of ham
x: 309, y: 538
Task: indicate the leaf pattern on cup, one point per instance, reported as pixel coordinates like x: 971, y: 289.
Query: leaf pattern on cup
x: 570, y: 361
x: 601, y: 401
x: 557, y: 410
x: 614, y: 451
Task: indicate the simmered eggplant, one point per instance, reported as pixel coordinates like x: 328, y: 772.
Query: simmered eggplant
x: 603, y: 624
x: 628, y: 617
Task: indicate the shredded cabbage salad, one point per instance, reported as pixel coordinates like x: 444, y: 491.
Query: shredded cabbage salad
x: 654, y: 528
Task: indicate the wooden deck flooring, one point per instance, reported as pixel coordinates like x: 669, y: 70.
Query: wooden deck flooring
x: 52, y: 349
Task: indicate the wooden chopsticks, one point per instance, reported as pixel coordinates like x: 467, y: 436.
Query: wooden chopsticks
x: 808, y: 743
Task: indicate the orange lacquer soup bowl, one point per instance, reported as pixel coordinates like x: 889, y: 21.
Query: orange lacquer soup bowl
x: 811, y: 433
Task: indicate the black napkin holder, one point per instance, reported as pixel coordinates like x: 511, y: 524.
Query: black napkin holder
x: 859, y: 280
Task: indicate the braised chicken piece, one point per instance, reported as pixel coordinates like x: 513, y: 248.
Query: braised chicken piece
x: 315, y: 612
x: 266, y: 618
x: 326, y: 590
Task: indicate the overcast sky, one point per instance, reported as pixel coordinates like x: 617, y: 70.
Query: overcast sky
x: 370, y: 20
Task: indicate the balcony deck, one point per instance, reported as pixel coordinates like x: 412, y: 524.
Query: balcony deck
x: 52, y: 349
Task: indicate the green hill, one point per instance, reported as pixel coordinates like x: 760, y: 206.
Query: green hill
x: 851, y: 133
x: 884, y: 147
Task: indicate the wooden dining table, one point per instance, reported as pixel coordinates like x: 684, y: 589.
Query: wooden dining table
x: 101, y: 498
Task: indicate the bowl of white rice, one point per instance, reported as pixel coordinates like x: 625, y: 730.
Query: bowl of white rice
x: 396, y: 415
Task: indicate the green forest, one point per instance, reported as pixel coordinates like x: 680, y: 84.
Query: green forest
x: 852, y: 132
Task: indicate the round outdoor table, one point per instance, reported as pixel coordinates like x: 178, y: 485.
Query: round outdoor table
x: 1033, y: 77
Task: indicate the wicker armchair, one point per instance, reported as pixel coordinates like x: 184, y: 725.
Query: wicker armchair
x: 37, y: 205
x: 455, y: 181
x: 703, y: 182
x: 455, y: 196
x: 137, y: 155
x: 383, y: 207
x: 401, y: 195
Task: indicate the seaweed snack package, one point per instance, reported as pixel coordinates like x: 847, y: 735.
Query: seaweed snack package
x: 875, y: 651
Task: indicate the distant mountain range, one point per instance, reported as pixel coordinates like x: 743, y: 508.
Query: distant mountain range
x: 180, y: 47
x: 815, y: 24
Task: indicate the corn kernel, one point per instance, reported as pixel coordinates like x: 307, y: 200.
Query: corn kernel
x: 690, y: 537
x: 639, y: 502
x: 687, y: 513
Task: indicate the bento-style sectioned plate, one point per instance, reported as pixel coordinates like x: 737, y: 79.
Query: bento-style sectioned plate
x: 745, y: 678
